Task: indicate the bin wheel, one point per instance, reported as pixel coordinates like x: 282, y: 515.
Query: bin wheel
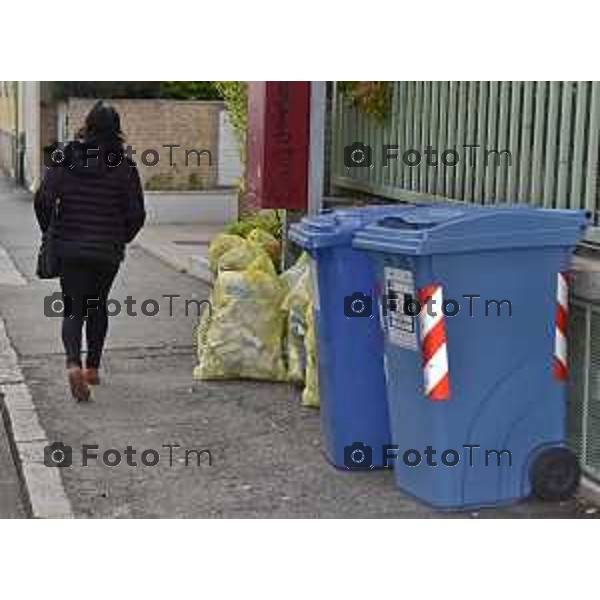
x: 555, y: 474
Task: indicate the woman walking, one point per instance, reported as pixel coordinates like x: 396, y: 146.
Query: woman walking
x: 98, y: 201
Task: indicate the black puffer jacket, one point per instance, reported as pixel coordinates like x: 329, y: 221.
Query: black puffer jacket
x: 101, y: 208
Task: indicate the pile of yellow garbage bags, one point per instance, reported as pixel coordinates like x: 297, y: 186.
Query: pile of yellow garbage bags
x: 260, y: 324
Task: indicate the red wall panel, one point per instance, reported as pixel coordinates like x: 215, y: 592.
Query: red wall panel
x: 278, y: 143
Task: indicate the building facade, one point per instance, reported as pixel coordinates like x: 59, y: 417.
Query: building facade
x: 20, y: 131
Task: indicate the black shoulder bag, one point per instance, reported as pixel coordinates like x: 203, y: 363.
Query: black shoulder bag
x: 48, y: 263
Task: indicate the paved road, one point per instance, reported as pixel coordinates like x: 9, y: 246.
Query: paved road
x: 265, y: 446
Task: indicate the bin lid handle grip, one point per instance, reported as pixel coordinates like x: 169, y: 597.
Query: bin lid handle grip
x: 399, y: 222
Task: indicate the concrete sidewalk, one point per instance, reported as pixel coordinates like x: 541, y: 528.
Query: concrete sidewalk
x: 266, y: 456
x: 182, y: 247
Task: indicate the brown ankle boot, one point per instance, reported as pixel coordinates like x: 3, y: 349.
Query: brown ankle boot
x: 79, y: 387
x: 91, y: 376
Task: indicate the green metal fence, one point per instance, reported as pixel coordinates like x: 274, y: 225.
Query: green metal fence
x: 537, y: 143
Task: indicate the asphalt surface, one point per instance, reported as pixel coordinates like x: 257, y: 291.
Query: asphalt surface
x: 12, y: 505
x: 265, y: 448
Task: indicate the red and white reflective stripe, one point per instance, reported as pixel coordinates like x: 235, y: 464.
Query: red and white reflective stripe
x: 561, y: 371
x: 433, y: 344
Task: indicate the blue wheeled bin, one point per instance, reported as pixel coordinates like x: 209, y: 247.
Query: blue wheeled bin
x: 475, y: 350
x: 354, y: 412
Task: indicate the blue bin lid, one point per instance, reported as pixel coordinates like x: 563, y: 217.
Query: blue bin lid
x: 446, y: 229
x: 336, y: 227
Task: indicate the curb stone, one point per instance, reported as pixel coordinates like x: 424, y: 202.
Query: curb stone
x: 42, y: 487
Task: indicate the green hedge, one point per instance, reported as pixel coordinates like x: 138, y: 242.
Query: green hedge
x: 177, y: 90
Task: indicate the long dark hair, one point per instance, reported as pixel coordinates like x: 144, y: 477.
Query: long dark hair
x: 103, y: 126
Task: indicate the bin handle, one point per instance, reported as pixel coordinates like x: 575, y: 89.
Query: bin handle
x: 397, y: 222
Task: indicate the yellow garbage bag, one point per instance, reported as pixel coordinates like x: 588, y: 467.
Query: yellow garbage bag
x: 291, y: 276
x: 202, y: 329
x: 219, y: 245
x: 294, y: 306
x: 310, y: 395
x: 267, y: 242
x: 242, y: 337
x: 242, y: 255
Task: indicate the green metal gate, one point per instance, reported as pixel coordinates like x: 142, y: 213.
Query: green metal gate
x: 542, y: 139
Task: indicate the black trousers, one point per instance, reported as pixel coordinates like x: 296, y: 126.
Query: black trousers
x: 86, y: 285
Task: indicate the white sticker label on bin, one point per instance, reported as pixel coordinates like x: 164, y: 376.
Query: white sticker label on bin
x: 315, y: 284
x: 399, y: 327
